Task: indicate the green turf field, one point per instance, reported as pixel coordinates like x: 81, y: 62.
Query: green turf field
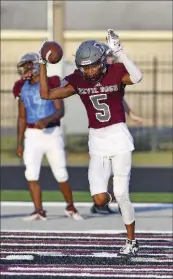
x: 53, y: 196
x: 139, y: 158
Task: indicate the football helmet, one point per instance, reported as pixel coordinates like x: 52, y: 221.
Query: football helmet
x: 90, y: 59
x: 29, y: 62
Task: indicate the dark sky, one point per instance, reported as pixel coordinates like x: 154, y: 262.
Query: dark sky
x: 90, y: 15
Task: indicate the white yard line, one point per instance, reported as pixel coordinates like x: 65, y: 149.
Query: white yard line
x: 81, y: 204
x: 85, y: 274
x: 86, y: 232
x: 17, y: 244
x: 82, y: 269
x: 35, y: 235
x: 26, y: 255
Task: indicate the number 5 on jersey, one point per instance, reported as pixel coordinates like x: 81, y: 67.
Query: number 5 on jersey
x: 104, y: 115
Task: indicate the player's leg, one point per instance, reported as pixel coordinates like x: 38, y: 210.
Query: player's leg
x: 98, y: 175
x: 32, y: 157
x: 103, y: 209
x: 56, y: 157
x: 121, y: 165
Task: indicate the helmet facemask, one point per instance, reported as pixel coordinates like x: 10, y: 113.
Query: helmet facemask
x: 94, y: 71
x: 91, y: 60
x: 24, y: 68
x: 29, y: 63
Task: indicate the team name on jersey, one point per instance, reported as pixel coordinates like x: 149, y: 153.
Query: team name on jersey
x: 101, y: 89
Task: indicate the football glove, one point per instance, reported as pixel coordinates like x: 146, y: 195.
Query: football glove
x: 113, y: 42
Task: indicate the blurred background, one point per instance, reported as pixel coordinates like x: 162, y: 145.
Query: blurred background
x: 145, y: 30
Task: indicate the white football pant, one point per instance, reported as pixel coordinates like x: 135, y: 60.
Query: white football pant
x: 99, y: 172
x: 48, y: 142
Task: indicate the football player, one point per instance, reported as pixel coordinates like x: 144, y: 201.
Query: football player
x: 101, y: 89
x: 138, y: 121
x: 40, y: 130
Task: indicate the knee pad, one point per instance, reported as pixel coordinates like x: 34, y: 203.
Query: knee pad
x: 121, y: 193
x: 61, y: 175
x: 121, y: 187
x: 31, y: 174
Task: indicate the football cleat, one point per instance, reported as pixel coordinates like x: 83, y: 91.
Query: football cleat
x: 130, y: 249
x: 36, y: 215
x: 72, y: 212
x: 101, y: 209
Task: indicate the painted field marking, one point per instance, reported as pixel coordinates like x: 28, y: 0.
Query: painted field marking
x: 145, y: 270
x: 19, y: 257
x: 82, y: 204
x: 150, y: 276
x: 92, y: 232
x: 81, y: 237
x: 85, y: 254
x: 50, y: 268
x: 75, y: 245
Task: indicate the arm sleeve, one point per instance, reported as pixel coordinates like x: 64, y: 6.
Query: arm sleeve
x: 133, y: 70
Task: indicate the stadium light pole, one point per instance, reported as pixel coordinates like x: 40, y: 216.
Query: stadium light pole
x: 55, y: 26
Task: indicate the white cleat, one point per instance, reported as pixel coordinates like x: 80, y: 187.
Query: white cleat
x: 74, y: 215
x: 36, y: 215
x: 130, y: 249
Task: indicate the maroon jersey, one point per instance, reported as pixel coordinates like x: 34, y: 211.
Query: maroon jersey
x: 53, y: 82
x: 102, y: 100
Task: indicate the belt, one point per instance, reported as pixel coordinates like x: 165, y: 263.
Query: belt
x: 50, y: 125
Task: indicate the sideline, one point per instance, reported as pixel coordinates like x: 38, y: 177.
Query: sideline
x: 83, y: 204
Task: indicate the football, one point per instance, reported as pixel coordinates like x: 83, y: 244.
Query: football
x: 51, y: 52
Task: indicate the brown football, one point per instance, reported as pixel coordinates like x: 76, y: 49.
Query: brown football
x: 51, y: 52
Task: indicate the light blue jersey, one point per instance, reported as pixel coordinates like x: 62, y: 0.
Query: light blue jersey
x: 36, y: 108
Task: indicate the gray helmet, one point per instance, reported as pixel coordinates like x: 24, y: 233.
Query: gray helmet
x: 29, y: 57
x: 91, y: 53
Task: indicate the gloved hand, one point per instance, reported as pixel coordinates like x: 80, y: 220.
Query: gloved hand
x: 113, y: 42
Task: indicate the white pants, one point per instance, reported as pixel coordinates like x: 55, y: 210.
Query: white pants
x: 101, y: 168
x: 99, y: 173
x: 48, y: 142
x: 110, y: 151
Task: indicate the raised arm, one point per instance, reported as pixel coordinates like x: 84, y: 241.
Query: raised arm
x: 133, y: 74
x: 56, y: 93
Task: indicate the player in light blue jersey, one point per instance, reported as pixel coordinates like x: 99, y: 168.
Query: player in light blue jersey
x: 39, y: 128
